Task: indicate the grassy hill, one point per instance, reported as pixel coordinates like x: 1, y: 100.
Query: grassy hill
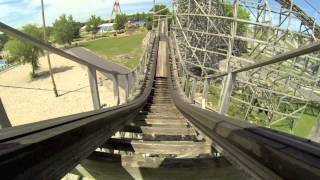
x: 125, y: 50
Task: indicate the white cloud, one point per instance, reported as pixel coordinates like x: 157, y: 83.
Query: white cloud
x: 28, y: 11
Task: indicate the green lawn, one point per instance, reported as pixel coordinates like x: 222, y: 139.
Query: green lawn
x: 214, y: 95
x: 302, y: 126
x: 125, y: 51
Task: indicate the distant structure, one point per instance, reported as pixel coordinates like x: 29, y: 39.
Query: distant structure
x: 106, y: 27
x: 116, y: 8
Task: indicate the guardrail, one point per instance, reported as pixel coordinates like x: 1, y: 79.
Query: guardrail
x: 263, y: 153
x: 132, y: 78
x: 190, y: 82
x: 50, y: 149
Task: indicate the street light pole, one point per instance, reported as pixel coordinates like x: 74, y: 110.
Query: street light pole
x: 47, y: 52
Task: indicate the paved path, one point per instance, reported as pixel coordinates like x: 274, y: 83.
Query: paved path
x: 94, y: 59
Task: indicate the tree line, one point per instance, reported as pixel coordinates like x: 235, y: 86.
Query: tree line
x: 64, y: 30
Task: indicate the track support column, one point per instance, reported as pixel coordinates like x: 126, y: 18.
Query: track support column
x: 126, y: 88
x: 193, y: 90
x: 135, y: 81
x: 226, y: 93
x: 4, y: 120
x: 92, y: 73
x: 205, y: 93
x: 116, y: 93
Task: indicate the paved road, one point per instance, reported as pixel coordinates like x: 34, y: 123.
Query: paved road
x: 94, y: 59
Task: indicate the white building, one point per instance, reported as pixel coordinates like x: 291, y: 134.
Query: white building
x: 106, y: 27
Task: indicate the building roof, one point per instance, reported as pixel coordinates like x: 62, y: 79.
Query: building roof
x: 106, y: 25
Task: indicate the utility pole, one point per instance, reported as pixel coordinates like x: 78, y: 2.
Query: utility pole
x: 154, y: 12
x: 47, y: 52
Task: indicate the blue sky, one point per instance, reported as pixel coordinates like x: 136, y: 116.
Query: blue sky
x: 19, y: 12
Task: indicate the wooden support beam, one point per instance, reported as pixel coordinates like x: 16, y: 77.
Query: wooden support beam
x: 226, y: 93
x: 92, y: 73
x: 205, y: 94
x: 187, y: 86
x: 193, y: 90
x: 4, y: 120
x: 135, y: 81
x: 126, y: 88
x: 116, y: 93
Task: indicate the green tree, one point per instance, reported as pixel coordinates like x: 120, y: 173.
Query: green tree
x: 143, y: 16
x: 161, y: 9
x: 19, y: 51
x: 93, y: 24
x: 137, y: 17
x: 242, y: 27
x: 243, y: 13
x: 3, y: 39
x: 76, y: 29
x: 120, y: 21
x: 149, y: 22
x: 65, y: 30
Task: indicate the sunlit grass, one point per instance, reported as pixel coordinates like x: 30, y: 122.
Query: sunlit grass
x: 125, y: 51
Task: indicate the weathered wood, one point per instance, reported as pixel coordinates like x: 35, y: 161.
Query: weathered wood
x: 160, y: 147
x: 226, y: 93
x: 264, y: 153
x: 50, y: 149
x: 126, y: 88
x: 193, y: 90
x: 159, y: 162
x: 164, y: 121
x: 134, y: 82
x: 205, y: 94
x: 4, y: 120
x: 116, y: 92
x: 162, y: 60
x: 92, y: 73
x: 141, y: 167
x: 183, y: 131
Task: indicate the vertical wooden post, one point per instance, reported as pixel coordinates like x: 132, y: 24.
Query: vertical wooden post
x: 193, y: 90
x: 205, y: 94
x: 135, y: 81
x: 167, y: 27
x: 226, y: 93
x: 154, y: 12
x: 92, y: 73
x: 187, y: 86
x: 116, y: 93
x: 144, y: 65
x: 4, y: 120
x: 183, y: 83
x: 126, y: 88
